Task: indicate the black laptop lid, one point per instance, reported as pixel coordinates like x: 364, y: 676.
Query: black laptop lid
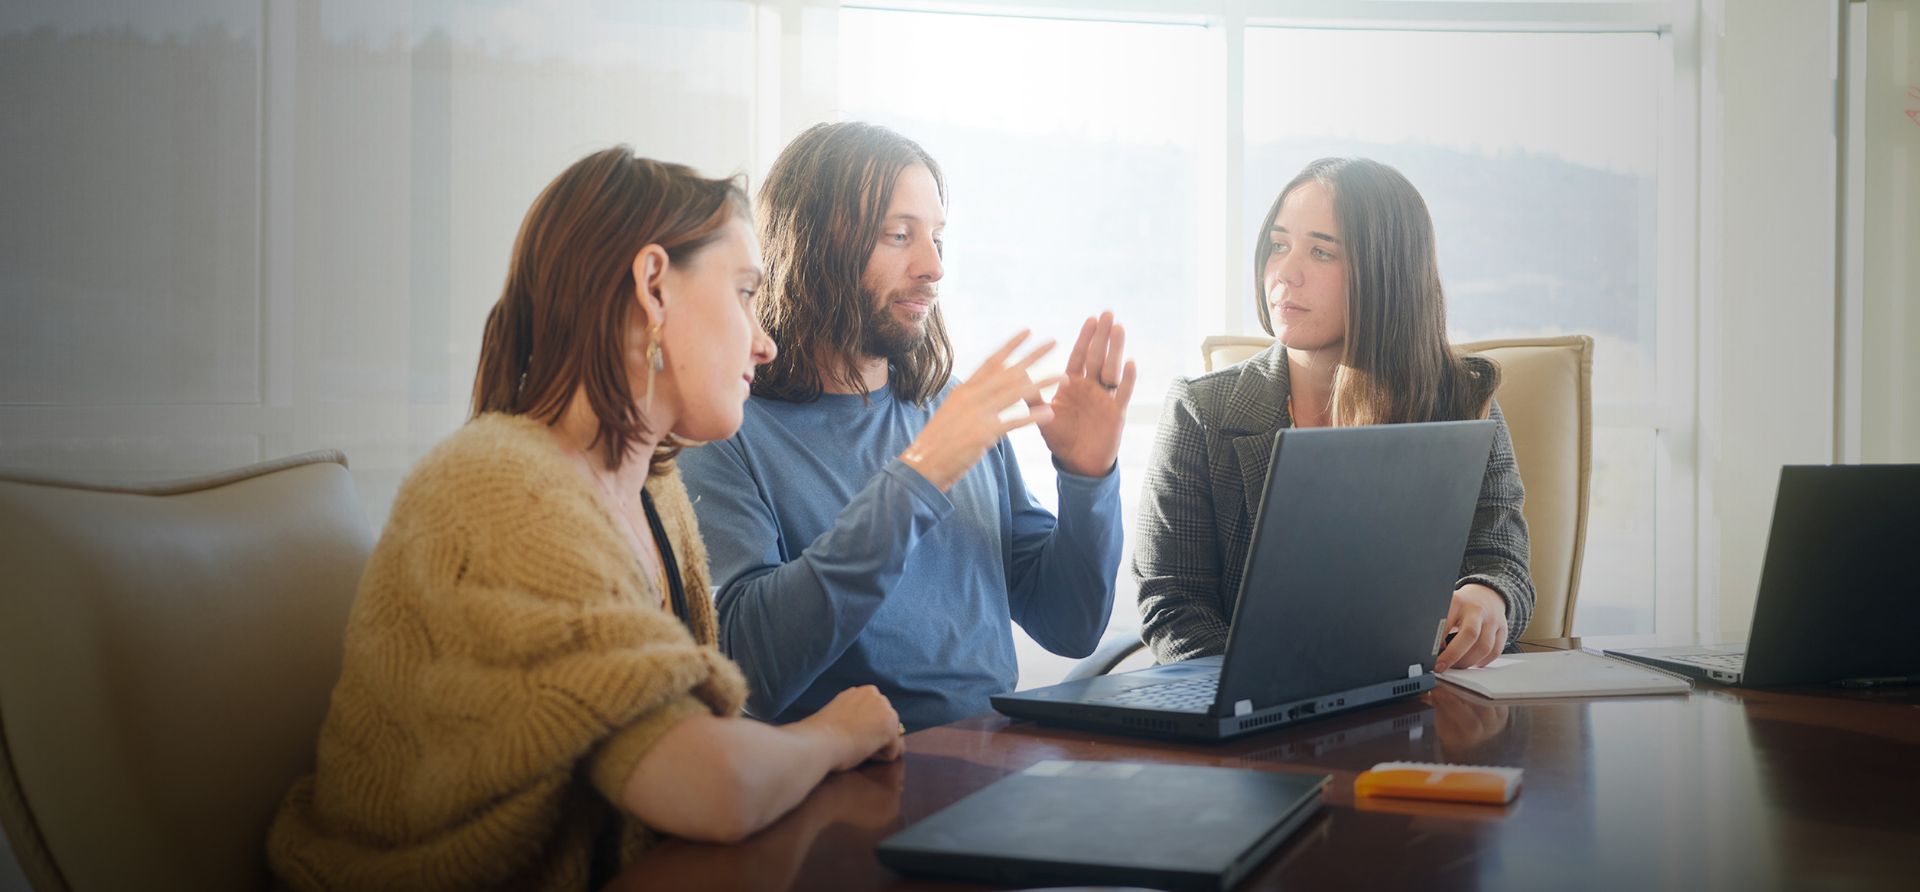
x: 1356, y: 549
x: 1067, y: 822
x: 1840, y: 591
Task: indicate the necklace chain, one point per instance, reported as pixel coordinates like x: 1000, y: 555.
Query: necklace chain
x: 610, y: 491
x: 658, y: 576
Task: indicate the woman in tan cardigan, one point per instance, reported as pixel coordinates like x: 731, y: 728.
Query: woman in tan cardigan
x: 530, y: 692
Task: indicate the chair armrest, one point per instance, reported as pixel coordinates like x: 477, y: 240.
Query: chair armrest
x: 1108, y: 655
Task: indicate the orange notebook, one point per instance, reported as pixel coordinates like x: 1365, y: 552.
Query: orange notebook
x: 1445, y: 783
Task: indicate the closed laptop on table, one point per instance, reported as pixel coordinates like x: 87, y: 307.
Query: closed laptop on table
x: 1111, y: 823
x: 1356, y: 548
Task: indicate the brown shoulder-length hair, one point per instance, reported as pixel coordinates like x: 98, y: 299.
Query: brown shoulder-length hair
x: 561, y: 322
x: 819, y: 213
x: 1397, y: 365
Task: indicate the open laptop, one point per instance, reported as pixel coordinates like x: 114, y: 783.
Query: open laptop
x: 1111, y: 823
x: 1839, y: 596
x: 1356, y: 549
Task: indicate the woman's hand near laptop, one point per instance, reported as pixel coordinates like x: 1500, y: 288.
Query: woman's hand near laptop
x: 714, y: 779
x: 1478, y: 623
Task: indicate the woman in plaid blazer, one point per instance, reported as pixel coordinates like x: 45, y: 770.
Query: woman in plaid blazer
x: 1346, y: 279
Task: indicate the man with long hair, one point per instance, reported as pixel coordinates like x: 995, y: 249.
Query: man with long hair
x: 869, y: 524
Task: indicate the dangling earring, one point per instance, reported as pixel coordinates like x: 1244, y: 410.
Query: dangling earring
x: 655, y: 362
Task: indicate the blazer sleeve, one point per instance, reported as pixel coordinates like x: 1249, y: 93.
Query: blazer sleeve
x: 1497, y: 546
x: 1176, y: 558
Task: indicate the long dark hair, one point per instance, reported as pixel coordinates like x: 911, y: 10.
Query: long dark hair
x: 819, y: 213
x: 561, y: 321
x: 1397, y: 365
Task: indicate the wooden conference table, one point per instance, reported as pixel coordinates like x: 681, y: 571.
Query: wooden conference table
x: 1722, y: 788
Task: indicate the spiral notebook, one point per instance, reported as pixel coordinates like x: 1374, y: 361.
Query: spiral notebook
x: 1563, y: 673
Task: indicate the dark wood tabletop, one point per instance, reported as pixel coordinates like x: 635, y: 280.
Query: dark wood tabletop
x: 1723, y: 788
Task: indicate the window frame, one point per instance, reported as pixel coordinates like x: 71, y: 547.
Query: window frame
x: 1685, y: 601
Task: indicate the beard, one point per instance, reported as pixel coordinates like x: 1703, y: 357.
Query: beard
x: 887, y: 337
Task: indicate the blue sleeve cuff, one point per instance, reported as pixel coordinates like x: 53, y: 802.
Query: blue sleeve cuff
x: 920, y: 487
x: 1110, y: 478
x: 1090, y: 497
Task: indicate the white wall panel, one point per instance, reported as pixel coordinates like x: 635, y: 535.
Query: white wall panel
x: 1890, y: 248
x: 239, y: 229
x: 128, y: 251
x: 131, y: 456
x: 1771, y: 335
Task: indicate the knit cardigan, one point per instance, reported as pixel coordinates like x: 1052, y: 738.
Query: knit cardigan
x: 507, y: 664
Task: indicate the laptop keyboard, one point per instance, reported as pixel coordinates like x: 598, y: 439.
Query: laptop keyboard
x: 1731, y: 662
x: 1185, y: 695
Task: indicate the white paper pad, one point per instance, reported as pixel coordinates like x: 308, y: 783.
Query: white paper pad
x: 1563, y: 673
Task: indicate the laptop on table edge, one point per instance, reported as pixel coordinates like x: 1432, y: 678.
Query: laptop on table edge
x: 1323, y: 623
x: 1839, y: 597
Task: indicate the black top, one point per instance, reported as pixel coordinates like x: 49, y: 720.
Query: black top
x: 676, y: 592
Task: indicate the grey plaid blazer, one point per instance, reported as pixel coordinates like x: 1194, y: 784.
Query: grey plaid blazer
x: 1209, y: 469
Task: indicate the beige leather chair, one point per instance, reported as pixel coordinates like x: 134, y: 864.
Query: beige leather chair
x: 166, y: 656
x: 1220, y: 351
x: 1546, y: 395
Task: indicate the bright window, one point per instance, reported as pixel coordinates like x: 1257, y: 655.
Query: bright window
x: 1098, y: 163
x: 1076, y: 184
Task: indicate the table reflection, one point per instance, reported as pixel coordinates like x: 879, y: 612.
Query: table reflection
x: 863, y: 801
x: 1719, y: 789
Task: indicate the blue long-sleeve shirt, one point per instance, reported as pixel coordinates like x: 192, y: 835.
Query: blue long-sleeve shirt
x: 837, y: 565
